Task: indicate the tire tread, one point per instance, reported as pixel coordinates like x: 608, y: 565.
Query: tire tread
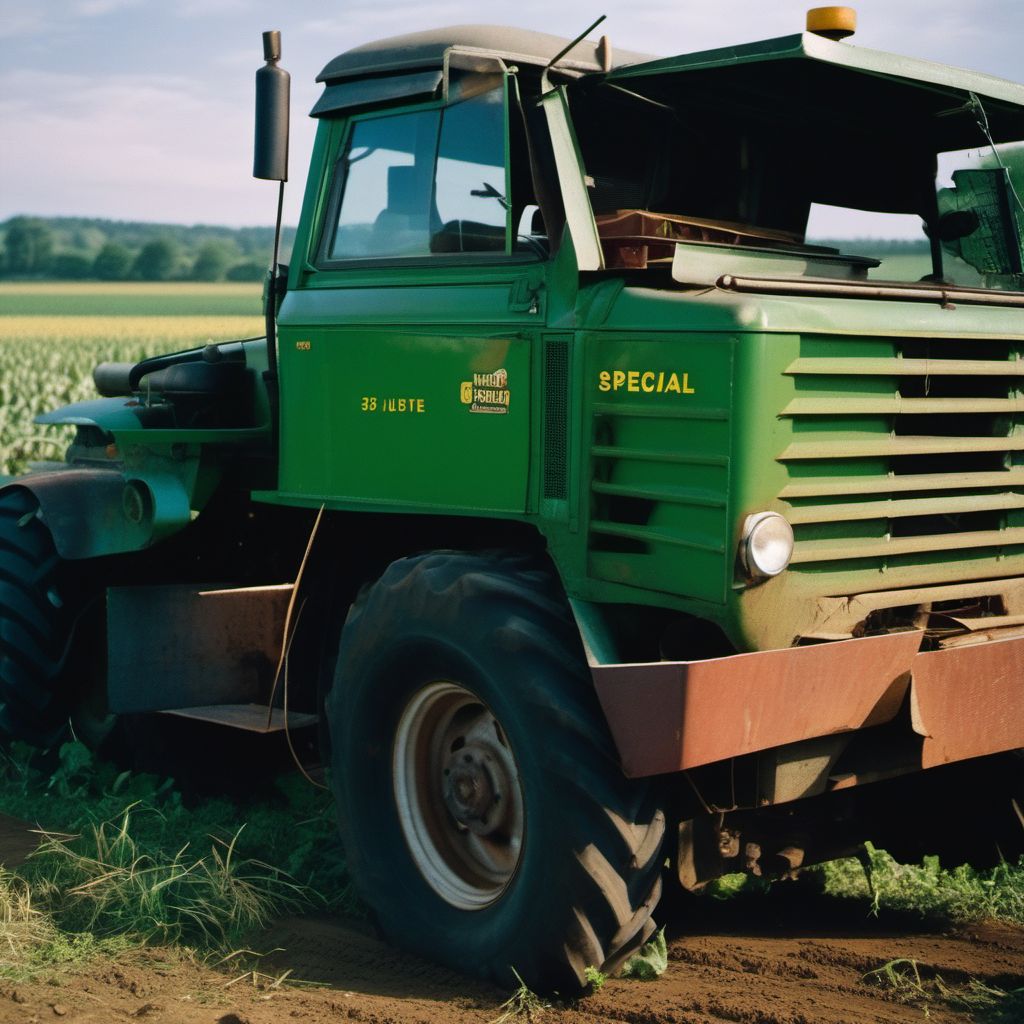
x: 34, y: 629
x: 518, y: 605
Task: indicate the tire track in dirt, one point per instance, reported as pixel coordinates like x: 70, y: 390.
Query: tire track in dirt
x: 769, y: 975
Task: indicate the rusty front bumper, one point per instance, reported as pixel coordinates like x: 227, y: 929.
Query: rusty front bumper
x: 668, y: 716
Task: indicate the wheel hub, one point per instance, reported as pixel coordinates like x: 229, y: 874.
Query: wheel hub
x: 471, y: 790
x: 458, y: 795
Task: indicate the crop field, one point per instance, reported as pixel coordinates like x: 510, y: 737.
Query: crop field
x: 145, y: 899
x: 52, y: 335
x: 125, y: 299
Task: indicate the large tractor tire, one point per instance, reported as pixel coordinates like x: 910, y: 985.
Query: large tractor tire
x: 36, y: 625
x: 486, y: 819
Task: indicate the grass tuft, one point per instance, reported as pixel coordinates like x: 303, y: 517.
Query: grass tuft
x: 106, y: 883
x: 23, y: 928
x: 522, y: 1005
x: 907, y: 982
x: 30, y: 940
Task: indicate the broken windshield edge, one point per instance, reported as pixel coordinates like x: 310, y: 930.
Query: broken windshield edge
x: 672, y: 185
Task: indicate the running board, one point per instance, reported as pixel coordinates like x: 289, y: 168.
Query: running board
x: 250, y: 717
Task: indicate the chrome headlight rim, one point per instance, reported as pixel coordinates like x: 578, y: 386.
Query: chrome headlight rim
x: 755, y: 524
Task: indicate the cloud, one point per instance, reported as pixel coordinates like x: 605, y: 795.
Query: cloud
x: 208, y: 8
x: 130, y: 147
x: 99, y: 8
x: 174, y: 138
x: 24, y: 21
x: 56, y: 16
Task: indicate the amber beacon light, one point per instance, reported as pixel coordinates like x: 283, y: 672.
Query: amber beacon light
x: 832, y: 22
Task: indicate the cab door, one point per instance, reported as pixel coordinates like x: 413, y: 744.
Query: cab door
x: 406, y: 353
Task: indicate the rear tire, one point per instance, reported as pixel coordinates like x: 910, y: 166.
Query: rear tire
x: 36, y: 626
x: 486, y: 819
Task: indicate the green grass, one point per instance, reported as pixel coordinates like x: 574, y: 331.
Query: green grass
x: 936, y: 895
x: 107, y: 883
x: 127, y: 864
x: 955, y: 895
x: 291, y: 826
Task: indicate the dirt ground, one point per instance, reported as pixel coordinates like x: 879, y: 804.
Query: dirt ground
x: 791, y: 958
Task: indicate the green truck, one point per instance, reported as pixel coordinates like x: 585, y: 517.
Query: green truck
x: 610, y: 535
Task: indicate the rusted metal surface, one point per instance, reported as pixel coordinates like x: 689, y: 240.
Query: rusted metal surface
x: 969, y: 701
x: 670, y: 716
x: 180, y: 647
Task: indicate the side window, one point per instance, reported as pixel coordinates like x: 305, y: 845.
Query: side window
x: 470, y: 182
x: 387, y: 171
x: 426, y: 182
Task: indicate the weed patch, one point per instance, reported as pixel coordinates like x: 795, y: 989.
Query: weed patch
x: 124, y: 862
x: 291, y: 826
x: 523, y: 1005
x: 650, y: 961
x: 956, y: 895
x: 105, y: 882
x: 910, y: 983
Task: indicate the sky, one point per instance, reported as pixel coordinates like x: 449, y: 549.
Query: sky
x: 142, y: 109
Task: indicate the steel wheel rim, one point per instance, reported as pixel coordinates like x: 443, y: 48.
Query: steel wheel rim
x: 458, y: 795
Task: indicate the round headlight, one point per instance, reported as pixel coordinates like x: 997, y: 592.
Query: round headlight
x: 767, y: 544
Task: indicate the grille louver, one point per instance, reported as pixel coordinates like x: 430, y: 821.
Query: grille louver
x: 556, y: 418
x: 898, y: 458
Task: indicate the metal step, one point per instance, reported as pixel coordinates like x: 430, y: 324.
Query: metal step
x: 250, y: 717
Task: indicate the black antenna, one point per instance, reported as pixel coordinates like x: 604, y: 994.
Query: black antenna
x: 579, y: 39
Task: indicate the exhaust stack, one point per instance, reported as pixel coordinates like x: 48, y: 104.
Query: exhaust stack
x: 273, y: 88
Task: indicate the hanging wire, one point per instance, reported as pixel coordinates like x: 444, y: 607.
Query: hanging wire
x: 287, y: 731
x: 981, y: 119
x: 288, y: 635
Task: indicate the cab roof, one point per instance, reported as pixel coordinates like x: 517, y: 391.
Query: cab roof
x: 837, y: 83
x: 423, y: 50
x: 797, y: 73
x: 810, y: 46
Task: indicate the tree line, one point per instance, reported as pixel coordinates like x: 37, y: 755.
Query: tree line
x: 80, y: 249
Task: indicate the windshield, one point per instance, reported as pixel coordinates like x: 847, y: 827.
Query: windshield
x: 862, y: 191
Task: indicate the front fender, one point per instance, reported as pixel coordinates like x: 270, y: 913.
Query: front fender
x: 94, y: 512
x: 110, y: 414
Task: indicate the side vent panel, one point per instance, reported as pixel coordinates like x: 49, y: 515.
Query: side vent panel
x: 556, y: 418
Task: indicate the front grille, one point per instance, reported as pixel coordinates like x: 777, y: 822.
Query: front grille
x: 906, y: 455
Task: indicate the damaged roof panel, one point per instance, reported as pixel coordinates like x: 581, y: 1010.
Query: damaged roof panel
x: 808, y: 46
